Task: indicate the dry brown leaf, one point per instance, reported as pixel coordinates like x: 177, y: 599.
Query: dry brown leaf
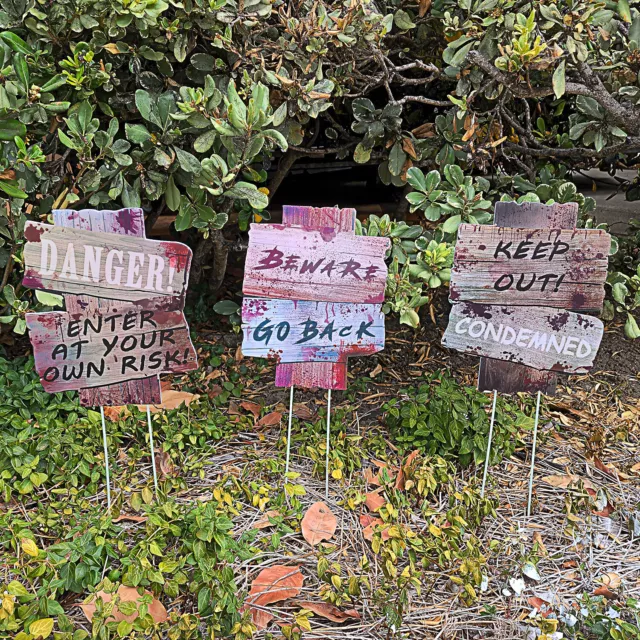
x: 165, y: 465
x: 301, y: 411
x: 564, y: 481
x: 423, y: 7
x: 408, y: 148
x: 272, y: 585
x: 171, y: 399
x: 606, y: 592
x: 233, y: 409
x: 410, y: 459
x: 318, y: 523
x: 425, y: 130
x: 216, y: 373
x: 603, y: 467
x: 611, y: 580
x: 270, y: 419
x: 126, y: 594
x: 112, y: 47
x: 374, y: 501
x: 329, y: 611
x: 115, y: 413
x: 369, y: 524
x: 541, y: 605
x: 263, y: 523
x: 537, y: 539
x: 371, y: 477
x: 214, y: 391
x: 126, y: 517
x: 252, y: 407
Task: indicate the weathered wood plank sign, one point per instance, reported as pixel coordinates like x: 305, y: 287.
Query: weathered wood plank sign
x: 538, y: 337
x: 323, y: 375
x: 93, y: 349
x: 70, y: 260
x: 314, y: 279
x: 299, y: 263
x: 298, y: 331
x: 128, y: 222
x: 112, y: 342
x: 502, y: 265
x: 513, y: 290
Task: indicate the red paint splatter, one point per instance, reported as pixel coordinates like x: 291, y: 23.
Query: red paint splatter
x: 33, y: 232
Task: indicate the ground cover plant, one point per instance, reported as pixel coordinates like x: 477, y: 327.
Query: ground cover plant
x: 407, y: 546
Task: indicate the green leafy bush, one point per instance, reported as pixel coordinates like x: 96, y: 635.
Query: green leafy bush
x: 201, y: 108
x: 440, y: 417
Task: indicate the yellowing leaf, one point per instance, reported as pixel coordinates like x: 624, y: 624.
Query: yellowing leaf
x: 41, y: 628
x: 112, y: 47
x: 29, y: 547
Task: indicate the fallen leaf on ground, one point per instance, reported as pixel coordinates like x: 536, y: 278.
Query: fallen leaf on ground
x: 541, y: 605
x: 214, y: 391
x: 165, y: 384
x: 165, y: 465
x: 272, y: 585
x: 611, y: 580
x: 270, y: 419
x: 252, y: 407
x: 410, y: 459
x: 233, y: 409
x: 329, y: 611
x: 263, y: 523
x: 318, y: 523
x: 537, y: 539
x: 606, y: 592
x: 171, y: 399
x: 374, y: 501
x: 216, y: 373
x: 115, y: 413
x: 369, y: 524
x: 126, y: 594
x: 564, y: 481
x: 301, y: 411
x: 601, y: 466
x: 126, y: 517
x: 375, y: 478
x: 371, y: 477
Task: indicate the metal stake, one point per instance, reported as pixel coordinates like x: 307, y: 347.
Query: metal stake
x: 533, y: 453
x: 153, y: 453
x: 326, y: 475
x: 286, y: 466
x: 486, y: 461
x: 106, y: 457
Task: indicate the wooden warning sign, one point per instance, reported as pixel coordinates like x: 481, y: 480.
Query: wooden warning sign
x: 124, y: 296
x: 299, y: 263
x: 538, y: 337
x: 304, y: 331
x: 502, y: 265
x: 314, y: 280
x: 103, y: 347
x: 514, y: 289
x: 103, y: 265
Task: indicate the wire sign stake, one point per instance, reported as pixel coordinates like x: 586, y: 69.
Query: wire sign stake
x: 313, y: 298
x: 515, y: 288
x: 123, y: 323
